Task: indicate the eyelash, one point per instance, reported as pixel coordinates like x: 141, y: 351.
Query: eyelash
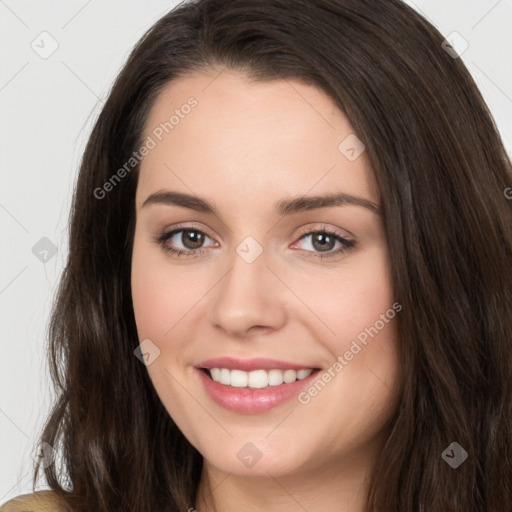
x: 161, y: 239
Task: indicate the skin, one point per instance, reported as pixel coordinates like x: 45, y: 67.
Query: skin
x: 245, y: 146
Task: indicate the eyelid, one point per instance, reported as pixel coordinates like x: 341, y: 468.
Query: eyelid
x: 323, y: 227
x: 190, y: 225
x: 303, y: 231
x: 347, y: 242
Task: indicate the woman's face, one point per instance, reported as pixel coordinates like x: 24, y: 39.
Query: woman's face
x: 236, y: 174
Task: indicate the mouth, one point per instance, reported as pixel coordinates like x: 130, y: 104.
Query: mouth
x: 257, y: 379
x: 253, y: 386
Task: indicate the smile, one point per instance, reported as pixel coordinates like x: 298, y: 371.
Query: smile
x: 253, y: 386
x: 257, y: 379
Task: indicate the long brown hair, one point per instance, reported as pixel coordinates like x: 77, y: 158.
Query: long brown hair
x: 442, y: 172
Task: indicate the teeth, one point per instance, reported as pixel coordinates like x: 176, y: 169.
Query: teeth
x: 275, y: 377
x: 302, y: 374
x: 258, y: 378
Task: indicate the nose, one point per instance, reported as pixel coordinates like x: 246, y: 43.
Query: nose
x: 249, y: 299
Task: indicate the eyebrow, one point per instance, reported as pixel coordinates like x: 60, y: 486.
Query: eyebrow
x: 284, y: 207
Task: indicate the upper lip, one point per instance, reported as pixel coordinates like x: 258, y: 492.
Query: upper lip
x: 247, y: 365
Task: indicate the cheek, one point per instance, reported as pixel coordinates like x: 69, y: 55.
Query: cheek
x: 149, y: 296
x: 347, y: 301
x: 161, y: 292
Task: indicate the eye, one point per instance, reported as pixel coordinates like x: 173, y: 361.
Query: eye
x: 324, y: 241
x: 191, y: 238
x: 320, y: 246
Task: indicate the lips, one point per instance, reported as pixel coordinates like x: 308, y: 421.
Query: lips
x: 248, y: 365
x: 250, y: 400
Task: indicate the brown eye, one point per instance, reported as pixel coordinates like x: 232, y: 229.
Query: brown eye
x: 323, y: 242
x: 192, y: 238
x: 183, y: 242
x: 190, y: 242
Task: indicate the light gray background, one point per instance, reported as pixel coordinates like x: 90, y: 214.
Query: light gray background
x: 47, y: 109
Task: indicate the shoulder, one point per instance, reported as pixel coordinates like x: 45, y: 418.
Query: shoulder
x: 41, y: 501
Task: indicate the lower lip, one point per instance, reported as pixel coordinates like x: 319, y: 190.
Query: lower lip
x: 252, y: 401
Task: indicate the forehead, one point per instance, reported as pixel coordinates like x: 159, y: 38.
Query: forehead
x: 252, y: 138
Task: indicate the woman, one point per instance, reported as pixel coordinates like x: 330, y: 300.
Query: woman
x: 289, y: 281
